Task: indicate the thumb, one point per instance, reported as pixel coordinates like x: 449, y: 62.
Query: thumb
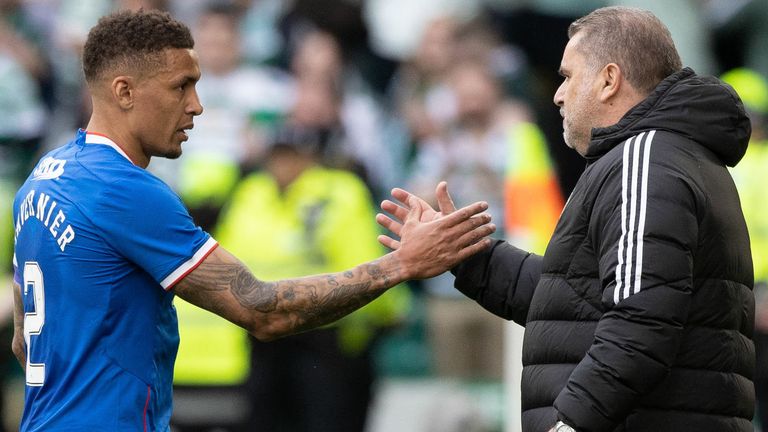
x: 444, y: 200
x: 415, y: 208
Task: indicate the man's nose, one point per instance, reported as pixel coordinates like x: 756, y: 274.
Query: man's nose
x: 558, y: 98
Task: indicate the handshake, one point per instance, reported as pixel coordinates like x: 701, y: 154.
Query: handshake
x: 433, y: 241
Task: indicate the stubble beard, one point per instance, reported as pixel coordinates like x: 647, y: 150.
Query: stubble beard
x: 173, y: 155
x: 567, y: 136
x: 170, y: 154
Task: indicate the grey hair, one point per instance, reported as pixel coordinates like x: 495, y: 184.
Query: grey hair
x: 634, y: 39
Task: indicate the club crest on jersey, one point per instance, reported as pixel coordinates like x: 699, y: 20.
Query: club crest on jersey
x: 48, y: 169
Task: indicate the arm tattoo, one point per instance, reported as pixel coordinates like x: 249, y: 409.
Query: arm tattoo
x: 234, y: 277
x: 327, y: 298
x: 304, y: 303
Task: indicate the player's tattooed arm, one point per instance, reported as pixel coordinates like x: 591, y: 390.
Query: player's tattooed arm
x: 287, y: 306
x: 17, y: 345
x: 223, y: 285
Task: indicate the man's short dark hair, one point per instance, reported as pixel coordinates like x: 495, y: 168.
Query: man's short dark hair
x: 635, y: 39
x: 132, y: 39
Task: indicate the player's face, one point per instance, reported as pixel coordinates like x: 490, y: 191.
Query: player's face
x: 166, y: 104
x: 577, y: 98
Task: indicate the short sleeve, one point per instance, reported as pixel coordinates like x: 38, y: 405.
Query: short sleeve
x: 147, y: 223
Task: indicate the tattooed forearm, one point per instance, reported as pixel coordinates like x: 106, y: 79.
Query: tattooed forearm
x: 329, y: 300
x: 236, y: 278
x: 332, y: 296
x: 268, y: 310
x: 376, y: 273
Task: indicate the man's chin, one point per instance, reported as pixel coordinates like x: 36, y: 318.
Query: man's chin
x: 567, y: 140
x: 172, y: 154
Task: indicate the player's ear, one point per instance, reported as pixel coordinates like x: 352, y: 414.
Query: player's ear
x: 124, y: 91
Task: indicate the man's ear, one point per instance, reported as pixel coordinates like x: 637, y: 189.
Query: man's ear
x: 124, y: 91
x: 611, y: 80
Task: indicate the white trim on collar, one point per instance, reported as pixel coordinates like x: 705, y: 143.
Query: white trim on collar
x: 92, y: 138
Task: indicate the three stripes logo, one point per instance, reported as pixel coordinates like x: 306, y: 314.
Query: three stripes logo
x: 634, y: 199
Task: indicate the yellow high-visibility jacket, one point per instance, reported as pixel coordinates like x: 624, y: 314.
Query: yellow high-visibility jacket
x: 323, y: 222
x: 749, y: 175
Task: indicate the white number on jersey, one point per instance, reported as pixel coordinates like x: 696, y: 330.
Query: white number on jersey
x: 33, y: 321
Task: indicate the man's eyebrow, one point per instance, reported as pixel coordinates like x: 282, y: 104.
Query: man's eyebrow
x: 186, y: 79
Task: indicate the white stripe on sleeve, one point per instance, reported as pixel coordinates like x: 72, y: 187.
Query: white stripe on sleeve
x: 634, y: 201
x: 190, y: 264
x: 624, y: 176
x: 643, y: 206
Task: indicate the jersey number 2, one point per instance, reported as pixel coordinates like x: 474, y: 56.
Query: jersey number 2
x: 33, y: 321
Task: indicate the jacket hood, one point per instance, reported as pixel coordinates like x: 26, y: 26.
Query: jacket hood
x: 700, y: 108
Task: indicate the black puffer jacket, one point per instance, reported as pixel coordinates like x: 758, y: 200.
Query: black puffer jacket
x: 639, y: 316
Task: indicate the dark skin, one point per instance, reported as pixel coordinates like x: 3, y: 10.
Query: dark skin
x: 290, y: 306
x: 147, y: 113
x: 223, y: 285
x: 17, y: 345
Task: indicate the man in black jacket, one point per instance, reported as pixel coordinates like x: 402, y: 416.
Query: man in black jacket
x: 639, y: 316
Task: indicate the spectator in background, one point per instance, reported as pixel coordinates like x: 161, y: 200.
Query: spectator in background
x: 262, y: 42
x: 418, y: 94
x: 334, y: 97
x: 420, y: 91
x: 478, y: 40
x: 345, y: 22
x: 318, y: 58
x: 24, y: 69
x: 491, y: 147
x: 471, y: 151
x: 241, y: 103
x: 307, y: 218
x: 749, y: 176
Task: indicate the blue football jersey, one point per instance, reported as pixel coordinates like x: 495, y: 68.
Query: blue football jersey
x: 99, y: 243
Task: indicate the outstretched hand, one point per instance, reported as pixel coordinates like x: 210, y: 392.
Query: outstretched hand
x: 399, y: 211
x: 432, y: 241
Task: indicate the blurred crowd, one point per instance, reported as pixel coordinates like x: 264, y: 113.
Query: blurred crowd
x: 315, y: 109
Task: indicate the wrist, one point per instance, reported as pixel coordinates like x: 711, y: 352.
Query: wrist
x: 562, y: 427
x: 394, y: 268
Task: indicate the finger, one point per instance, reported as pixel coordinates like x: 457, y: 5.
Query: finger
x: 464, y: 213
x: 475, y: 235
x: 473, y: 249
x: 416, y: 208
x: 471, y: 230
x: 444, y: 200
x: 389, y: 242
x: 404, y: 197
x: 394, y: 209
x: 401, y: 195
x: 389, y: 224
